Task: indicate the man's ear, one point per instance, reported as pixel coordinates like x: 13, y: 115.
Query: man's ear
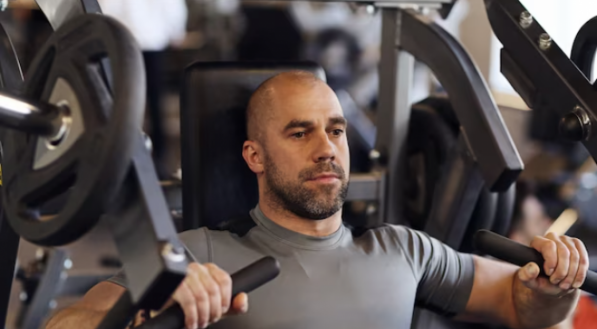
x: 252, y: 155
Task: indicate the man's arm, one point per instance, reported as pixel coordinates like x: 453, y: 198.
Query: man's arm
x: 90, y: 310
x: 498, y: 296
x: 204, y: 296
x: 518, y: 297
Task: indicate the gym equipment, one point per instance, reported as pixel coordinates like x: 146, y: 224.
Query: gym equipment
x: 542, y: 74
x: 136, y: 210
x: 90, y: 137
x: 548, y: 81
x: 245, y: 280
x: 44, y: 280
x: 518, y: 254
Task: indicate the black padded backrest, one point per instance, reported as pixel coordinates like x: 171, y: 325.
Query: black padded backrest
x: 217, y: 184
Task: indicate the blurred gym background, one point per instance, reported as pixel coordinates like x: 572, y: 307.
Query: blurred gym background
x: 560, y: 179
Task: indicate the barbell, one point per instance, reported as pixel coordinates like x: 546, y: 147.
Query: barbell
x: 73, y: 129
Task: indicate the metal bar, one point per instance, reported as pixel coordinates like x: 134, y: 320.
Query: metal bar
x: 145, y: 236
x: 477, y: 112
x: 9, y: 244
x: 27, y: 117
x: 47, y: 289
x: 364, y: 187
x: 393, y: 113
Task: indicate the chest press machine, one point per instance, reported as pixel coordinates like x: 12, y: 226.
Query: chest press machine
x: 485, y: 156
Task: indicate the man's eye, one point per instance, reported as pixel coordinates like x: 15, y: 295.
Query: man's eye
x: 338, y: 132
x: 299, y: 134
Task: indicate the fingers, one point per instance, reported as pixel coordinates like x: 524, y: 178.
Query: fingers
x: 563, y: 265
x: 184, y: 296
x: 240, y: 304
x: 225, y: 282
x: 583, y: 264
x: 566, y: 261
x: 529, y: 272
x: 204, y: 295
x: 549, y: 250
x: 573, y: 263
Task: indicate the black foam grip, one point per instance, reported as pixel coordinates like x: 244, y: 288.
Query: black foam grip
x: 245, y: 280
x: 502, y: 248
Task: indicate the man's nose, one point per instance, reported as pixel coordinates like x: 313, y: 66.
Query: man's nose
x: 325, y: 150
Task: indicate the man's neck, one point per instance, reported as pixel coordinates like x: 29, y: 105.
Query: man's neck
x: 288, y: 220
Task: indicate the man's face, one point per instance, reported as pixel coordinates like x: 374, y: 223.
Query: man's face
x: 306, y: 157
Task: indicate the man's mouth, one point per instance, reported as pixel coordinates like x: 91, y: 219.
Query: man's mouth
x: 325, y: 178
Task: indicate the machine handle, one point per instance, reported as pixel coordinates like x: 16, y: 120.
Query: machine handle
x: 513, y: 252
x: 245, y: 280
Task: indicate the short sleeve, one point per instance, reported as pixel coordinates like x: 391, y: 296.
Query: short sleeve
x: 197, y: 247
x: 445, y: 276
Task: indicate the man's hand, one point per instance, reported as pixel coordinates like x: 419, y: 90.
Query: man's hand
x: 566, y: 264
x: 205, y: 296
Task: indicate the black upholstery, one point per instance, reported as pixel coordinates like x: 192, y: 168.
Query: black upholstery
x: 217, y: 184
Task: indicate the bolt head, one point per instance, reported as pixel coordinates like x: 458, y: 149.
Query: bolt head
x: 526, y: 19
x: 571, y: 128
x: 544, y: 41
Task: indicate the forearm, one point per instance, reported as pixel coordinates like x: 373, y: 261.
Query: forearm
x: 78, y: 318
x: 533, y: 310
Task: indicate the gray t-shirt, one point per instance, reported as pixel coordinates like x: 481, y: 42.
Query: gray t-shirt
x: 340, y: 281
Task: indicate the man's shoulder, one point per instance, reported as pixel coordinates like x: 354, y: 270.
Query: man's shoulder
x: 389, y: 231
x: 402, y: 237
x: 224, y: 248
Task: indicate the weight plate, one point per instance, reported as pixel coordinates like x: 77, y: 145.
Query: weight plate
x: 88, y: 158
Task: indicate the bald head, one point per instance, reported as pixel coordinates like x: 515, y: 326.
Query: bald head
x: 274, y: 91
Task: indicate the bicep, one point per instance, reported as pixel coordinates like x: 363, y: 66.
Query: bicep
x: 101, y: 297
x: 491, y: 295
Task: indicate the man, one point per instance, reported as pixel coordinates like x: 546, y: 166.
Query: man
x: 331, y: 278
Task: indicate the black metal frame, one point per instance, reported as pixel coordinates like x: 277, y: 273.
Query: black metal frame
x: 407, y: 35
x: 146, y: 240
x: 542, y: 74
